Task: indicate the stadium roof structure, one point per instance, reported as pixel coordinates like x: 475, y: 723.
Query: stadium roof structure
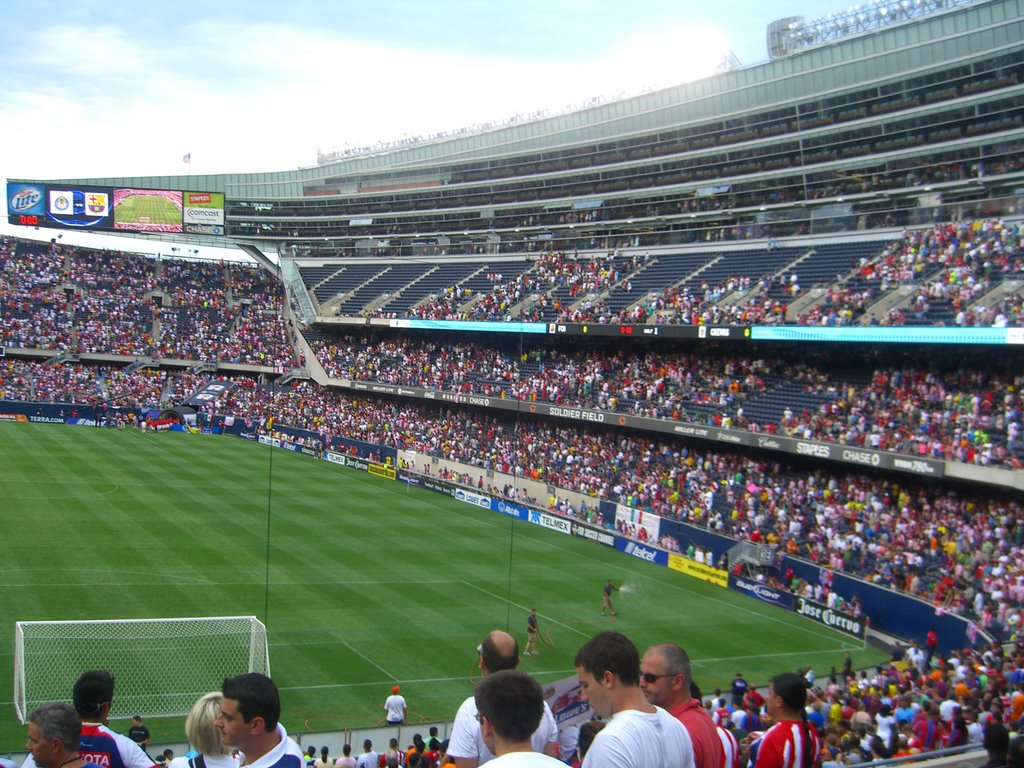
x: 896, y: 126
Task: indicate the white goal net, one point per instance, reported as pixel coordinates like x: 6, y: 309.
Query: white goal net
x: 160, y: 666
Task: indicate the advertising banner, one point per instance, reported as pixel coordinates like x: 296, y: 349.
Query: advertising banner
x: 568, y: 707
x: 633, y: 521
x: 761, y: 591
x: 476, y: 499
x: 698, y: 570
x: 204, y: 212
x: 594, y: 534
x: 822, y: 614
x: 635, y: 549
x: 551, y: 522
x: 511, y: 509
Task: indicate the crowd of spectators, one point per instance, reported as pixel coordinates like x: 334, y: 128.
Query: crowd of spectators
x: 917, y: 703
x: 956, y: 263
x: 954, y: 414
x: 964, y: 551
x: 890, y: 532
x: 33, y: 309
x: 70, y: 299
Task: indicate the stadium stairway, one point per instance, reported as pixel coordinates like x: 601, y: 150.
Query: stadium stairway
x: 259, y: 258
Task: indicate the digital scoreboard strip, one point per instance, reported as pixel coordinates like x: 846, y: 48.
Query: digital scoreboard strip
x: 109, y: 209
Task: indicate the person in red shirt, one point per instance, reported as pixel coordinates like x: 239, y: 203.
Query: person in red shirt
x: 666, y: 675
x: 791, y: 742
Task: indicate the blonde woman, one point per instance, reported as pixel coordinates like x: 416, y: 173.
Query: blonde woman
x: 204, y: 737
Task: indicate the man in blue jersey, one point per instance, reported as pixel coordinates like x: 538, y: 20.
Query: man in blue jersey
x: 248, y: 720
x: 92, y: 697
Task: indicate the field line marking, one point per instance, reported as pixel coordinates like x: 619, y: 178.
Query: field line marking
x: 699, y: 662
x: 368, y: 660
x: 377, y: 683
x: 517, y: 605
x: 805, y: 627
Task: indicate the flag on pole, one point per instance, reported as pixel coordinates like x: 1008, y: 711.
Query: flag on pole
x: 187, y: 158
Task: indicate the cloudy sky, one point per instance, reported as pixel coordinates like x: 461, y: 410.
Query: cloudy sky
x: 124, y: 87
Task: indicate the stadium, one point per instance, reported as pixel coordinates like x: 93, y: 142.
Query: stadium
x: 750, y: 346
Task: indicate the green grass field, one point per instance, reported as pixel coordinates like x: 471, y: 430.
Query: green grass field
x: 146, y: 209
x: 361, y: 582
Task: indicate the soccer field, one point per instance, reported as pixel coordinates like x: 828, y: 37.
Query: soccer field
x: 146, y: 209
x: 362, y: 582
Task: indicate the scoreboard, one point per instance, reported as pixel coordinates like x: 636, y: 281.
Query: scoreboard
x: 109, y: 209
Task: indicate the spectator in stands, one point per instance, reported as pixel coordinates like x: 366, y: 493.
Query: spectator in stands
x: 368, y: 758
x: 637, y: 733
x: 53, y: 734
x: 346, y: 760
x: 92, y: 695
x: 997, y: 745
x: 790, y: 742
x: 250, y: 710
x: 666, y: 677
x: 204, y: 737
x: 498, y: 651
x: 510, y: 706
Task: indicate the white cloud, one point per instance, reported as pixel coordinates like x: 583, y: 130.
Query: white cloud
x: 265, y: 97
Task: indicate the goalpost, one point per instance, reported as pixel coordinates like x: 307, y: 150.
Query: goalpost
x: 160, y: 666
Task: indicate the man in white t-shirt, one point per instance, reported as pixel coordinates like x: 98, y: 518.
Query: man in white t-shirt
x: 637, y: 734
x: 395, y: 707
x: 369, y: 758
x: 511, y: 706
x: 498, y: 651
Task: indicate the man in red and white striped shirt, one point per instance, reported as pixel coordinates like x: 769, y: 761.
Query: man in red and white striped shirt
x: 791, y: 742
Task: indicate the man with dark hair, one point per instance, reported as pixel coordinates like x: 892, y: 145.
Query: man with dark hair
x: 53, y: 732
x: 606, y: 597
x: 369, y: 758
x: 510, y: 706
x: 532, y: 632
x: 392, y: 752
x: 248, y: 721
x: 498, y: 651
x: 138, y: 732
x: 996, y: 742
x: 92, y: 696
x: 638, y: 734
x: 791, y: 742
x: 739, y: 689
x: 666, y: 677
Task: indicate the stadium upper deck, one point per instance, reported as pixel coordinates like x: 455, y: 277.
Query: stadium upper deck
x: 897, y: 126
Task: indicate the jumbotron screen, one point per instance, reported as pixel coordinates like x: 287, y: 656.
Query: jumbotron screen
x: 122, y: 209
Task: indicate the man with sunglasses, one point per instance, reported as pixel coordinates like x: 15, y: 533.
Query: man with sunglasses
x: 666, y: 676
x: 637, y: 734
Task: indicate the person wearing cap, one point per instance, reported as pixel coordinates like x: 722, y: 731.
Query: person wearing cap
x: 395, y: 707
x: 92, y: 696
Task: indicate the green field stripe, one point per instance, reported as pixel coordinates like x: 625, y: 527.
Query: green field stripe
x: 369, y: 581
